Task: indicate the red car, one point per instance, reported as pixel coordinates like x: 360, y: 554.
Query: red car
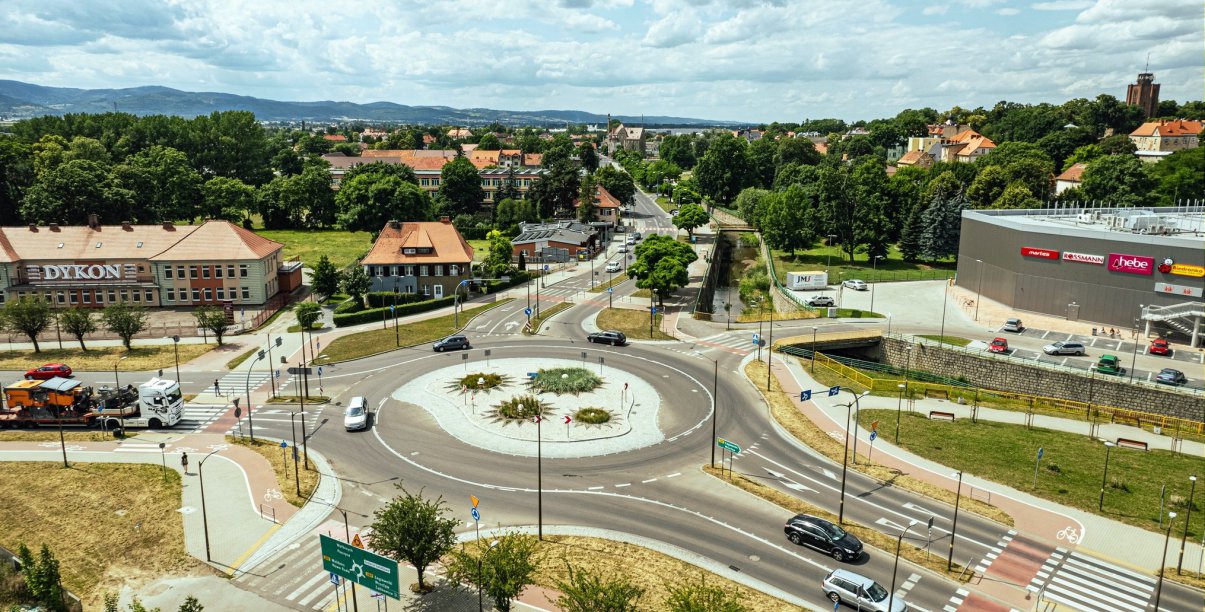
x: 999, y: 345
x: 49, y: 370
x: 1159, y: 346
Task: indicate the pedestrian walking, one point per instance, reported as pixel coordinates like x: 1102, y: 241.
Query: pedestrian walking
x: 184, y: 462
x: 216, y: 389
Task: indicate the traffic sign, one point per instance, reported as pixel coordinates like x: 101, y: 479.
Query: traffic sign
x: 284, y: 444
x: 873, y: 435
x: 805, y: 395
x: 277, y: 372
x: 728, y: 446
x: 296, y: 371
x: 320, y: 370
x: 535, y: 419
x: 475, y: 513
x: 360, y: 566
x: 874, y: 425
x: 473, y: 499
x: 545, y: 267
x: 1040, y: 452
x: 334, y: 579
x: 756, y: 339
x: 357, y: 542
x: 527, y: 311
x: 610, y: 290
x: 567, y: 419
x: 653, y: 309
x: 832, y: 391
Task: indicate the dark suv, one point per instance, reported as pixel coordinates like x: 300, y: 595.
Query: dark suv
x: 614, y: 338
x: 823, y: 536
x: 451, y: 343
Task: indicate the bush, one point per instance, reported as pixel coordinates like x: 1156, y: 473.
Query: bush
x: 521, y: 408
x: 592, y: 416
x: 374, y: 314
x: 565, y: 380
x: 349, y: 306
x: 470, y: 381
x: 384, y: 299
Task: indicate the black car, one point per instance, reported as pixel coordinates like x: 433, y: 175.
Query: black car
x: 451, y: 343
x: 614, y: 338
x: 824, y: 536
x: 1170, y: 376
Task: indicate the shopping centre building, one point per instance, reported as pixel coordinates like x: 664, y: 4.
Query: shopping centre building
x: 1124, y: 268
x: 215, y: 263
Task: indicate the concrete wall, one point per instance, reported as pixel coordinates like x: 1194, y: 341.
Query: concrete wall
x: 1019, y: 377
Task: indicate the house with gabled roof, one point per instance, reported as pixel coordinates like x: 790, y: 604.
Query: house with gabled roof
x: 429, y: 258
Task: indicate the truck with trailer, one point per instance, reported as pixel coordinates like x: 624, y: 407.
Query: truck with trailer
x: 156, y: 403
x: 807, y: 281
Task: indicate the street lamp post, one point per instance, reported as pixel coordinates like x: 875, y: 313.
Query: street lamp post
x: 770, y: 348
x: 814, y: 330
x: 204, y: 518
x: 176, y: 349
x: 270, y: 366
x: 899, y: 408
x: 829, y: 262
x: 117, y: 387
x: 945, y: 292
x: 1187, y: 518
x: 250, y: 422
x: 895, y: 568
x: 293, y: 426
x: 845, y: 455
x: 1134, y: 355
x: 1171, y: 518
x: 715, y: 380
x: 480, y: 555
x: 1105, y: 477
x: 954, y: 529
x: 539, y: 480
x: 979, y: 291
x: 874, y: 270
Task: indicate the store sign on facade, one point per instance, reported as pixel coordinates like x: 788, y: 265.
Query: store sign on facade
x: 1084, y: 258
x: 1131, y: 264
x: 1180, y: 290
x: 72, y: 272
x: 1041, y: 253
x: 1187, y: 270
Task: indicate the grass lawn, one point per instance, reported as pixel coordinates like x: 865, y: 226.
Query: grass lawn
x: 664, y: 203
x: 70, y: 434
x: 481, y: 248
x: 633, y: 323
x: 342, y: 248
x: 282, y: 465
x: 97, y: 518
x: 955, y: 340
x: 614, y: 282
x: 363, y: 344
x: 545, y: 314
x: 1070, y: 471
x: 894, y: 268
x: 103, y: 358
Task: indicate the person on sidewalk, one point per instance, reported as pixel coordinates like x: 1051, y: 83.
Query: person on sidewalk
x: 184, y: 462
x: 216, y: 389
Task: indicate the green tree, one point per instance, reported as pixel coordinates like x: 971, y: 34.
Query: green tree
x: 761, y: 154
x: 509, y: 213
x: 78, y: 322
x: 1180, y: 175
x: 413, y: 529
x: 191, y: 604
x: 42, y: 577
x: 943, y: 225
x: 618, y: 183
x: 489, y: 142
x: 368, y: 201
x: 460, y: 187
x: 586, y: 591
x: 1117, y: 144
x: 1083, y: 155
x: 27, y: 315
x: 1119, y: 180
x: 67, y: 192
x: 164, y: 184
x: 751, y: 204
x: 661, y: 265
x: 587, y: 156
x: 307, y: 314
x: 554, y: 192
x: 722, y: 171
x: 91, y: 149
x: 689, y: 596
x: 797, y: 151
x: 873, y: 226
x: 226, y: 198
x: 125, y: 320
x: 1016, y: 195
x: 689, y: 217
x: 987, y: 187
x: 507, y: 566
x: 497, y: 262
x: 213, y: 319
x: 235, y: 145
x: 16, y: 176
x: 355, y: 282
x: 678, y: 150
x: 325, y: 277
x: 910, y: 244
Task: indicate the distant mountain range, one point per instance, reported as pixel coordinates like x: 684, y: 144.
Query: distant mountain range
x: 23, y: 100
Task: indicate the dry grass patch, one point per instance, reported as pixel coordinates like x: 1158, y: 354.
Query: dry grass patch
x: 633, y: 323
x: 102, y: 521
x: 376, y: 341
x: 52, y: 435
x: 805, y: 431
x: 101, y: 358
x: 280, y: 463
x: 614, y: 282
x: 868, y: 535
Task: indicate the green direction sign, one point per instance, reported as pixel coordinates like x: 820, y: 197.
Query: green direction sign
x: 360, y: 566
x: 728, y: 446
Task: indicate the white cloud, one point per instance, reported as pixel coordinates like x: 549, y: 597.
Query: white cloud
x: 935, y: 9
x: 1061, y: 5
x: 1008, y: 12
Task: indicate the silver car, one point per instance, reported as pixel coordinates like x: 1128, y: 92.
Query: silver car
x: 855, y: 284
x: 856, y: 590
x: 1064, y: 348
x: 1013, y: 325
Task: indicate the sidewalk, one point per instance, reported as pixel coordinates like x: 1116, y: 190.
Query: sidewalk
x: 1048, y: 523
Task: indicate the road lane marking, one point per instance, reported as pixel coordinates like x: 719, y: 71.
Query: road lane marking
x: 648, y: 481
x: 626, y: 484
x: 674, y: 474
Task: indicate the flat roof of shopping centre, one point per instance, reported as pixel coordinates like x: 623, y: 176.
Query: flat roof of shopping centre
x: 1182, y: 226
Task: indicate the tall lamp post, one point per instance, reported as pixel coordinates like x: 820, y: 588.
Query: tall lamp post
x: 270, y: 367
x: 715, y: 379
x: 829, y: 262
x: 814, y: 330
x: 945, y: 292
x: 898, y: 409
x: 539, y: 480
x: 1105, y: 477
x: 895, y: 568
x: 204, y: 518
x: 979, y: 291
x: 845, y: 455
x: 117, y: 387
x: 1171, y: 518
x: 874, y: 270
x: 1134, y: 356
x: 176, y: 349
x: 250, y: 422
x: 1187, y: 517
x: 770, y: 347
x: 954, y: 529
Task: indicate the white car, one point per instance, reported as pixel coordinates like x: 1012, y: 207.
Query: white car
x: 612, y: 266
x: 356, y: 417
x: 631, y: 240
x: 855, y: 284
x: 623, y: 248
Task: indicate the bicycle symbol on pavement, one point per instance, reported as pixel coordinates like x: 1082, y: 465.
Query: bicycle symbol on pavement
x: 1068, y: 533
x: 273, y: 495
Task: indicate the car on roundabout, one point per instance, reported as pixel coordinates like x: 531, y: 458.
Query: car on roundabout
x: 855, y: 284
x: 609, y: 336
x: 815, y: 532
x: 844, y: 586
x: 356, y: 417
x: 451, y: 343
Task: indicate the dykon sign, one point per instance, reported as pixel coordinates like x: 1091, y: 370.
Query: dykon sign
x: 81, y: 272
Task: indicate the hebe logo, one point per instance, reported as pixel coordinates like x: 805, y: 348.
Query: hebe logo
x: 1131, y: 264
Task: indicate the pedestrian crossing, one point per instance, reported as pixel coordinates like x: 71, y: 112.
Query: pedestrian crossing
x: 1089, y: 584
x: 236, y: 383
x: 197, y: 417
x: 741, y: 344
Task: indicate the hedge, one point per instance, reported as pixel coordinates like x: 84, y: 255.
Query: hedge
x: 376, y: 314
x: 349, y: 306
x: 383, y: 299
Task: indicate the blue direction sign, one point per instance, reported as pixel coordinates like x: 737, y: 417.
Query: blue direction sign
x: 334, y: 579
x: 545, y: 267
x: 476, y: 514
x: 527, y: 311
x: 653, y: 308
x: 728, y: 446
x: 284, y: 444
x: 610, y: 290
x: 873, y: 435
x: 1040, y: 452
x: 756, y: 339
x: 805, y: 395
x: 360, y: 566
x: 833, y: 391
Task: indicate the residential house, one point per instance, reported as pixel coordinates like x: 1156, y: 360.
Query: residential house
x: 966, y: 147
x: 334, y: 137
x: 428, y: 168
x: 429, y: 258
x: 459, y: 133
x: 555, y: 242
x: 626, y: 138
x: 376, y: 133
x: 1158, y: 139
x: 1069, y: 178
x: 920, y: 159
x: 606, y: 206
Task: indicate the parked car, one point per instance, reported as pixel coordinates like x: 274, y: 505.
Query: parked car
x: 631, y: 240
x: 1013, y: 325
x: 356, y: 417
x: 610, y: 336
x: 636, y: 235
x: 1064, y: 348
x: 820, y: 300
x: 623, y: 248
x: 856, y: 590
x: 824, y: 536
x: 999, y: 345
x: 855, y: 284
x: 49, y: 370
x: 451, y: 343
x: 612, y: 266
x: 1110, y: 364
x: 1170, y: 376
x: 1159, y: 346
x: 673, y: 211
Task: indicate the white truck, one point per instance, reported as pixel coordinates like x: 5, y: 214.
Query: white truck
x: 155, y: 403
x: 807, y: 281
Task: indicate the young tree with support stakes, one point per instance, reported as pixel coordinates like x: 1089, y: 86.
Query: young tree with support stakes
x: 124, y: 320
x: 307, y: 314
x: 213, y: 319
x: 78, y: 322
x: 325, y: 279
x: 502, y: 569
x: 690, y: 596
x: 413, y: 529
x: 29, y: 316
x: 586, y: 591
x: 355, y: 283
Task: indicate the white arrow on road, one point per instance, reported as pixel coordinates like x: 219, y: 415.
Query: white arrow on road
x: 920, y: 509
x: 511, y: 325
x: 890, y: 525
x: 788, y: 482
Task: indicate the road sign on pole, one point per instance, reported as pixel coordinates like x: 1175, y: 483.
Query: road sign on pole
x: 360, y: 566
x: 756, y: 339
x: 728, y: 446
x: 805, y: 395
x: 475, y: 513
x: 305, y: 371
x: 833, y: 391
x: 527, y: 311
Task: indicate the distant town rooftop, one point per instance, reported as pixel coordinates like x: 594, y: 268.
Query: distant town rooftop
x: 1181, y: 225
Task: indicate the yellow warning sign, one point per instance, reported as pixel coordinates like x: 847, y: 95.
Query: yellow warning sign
x: 355, y: 541
x: 474, y: 500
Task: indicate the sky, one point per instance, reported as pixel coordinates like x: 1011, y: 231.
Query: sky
x: 738, y: 60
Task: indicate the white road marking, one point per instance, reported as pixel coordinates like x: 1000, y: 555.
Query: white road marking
x: 648, y: 481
